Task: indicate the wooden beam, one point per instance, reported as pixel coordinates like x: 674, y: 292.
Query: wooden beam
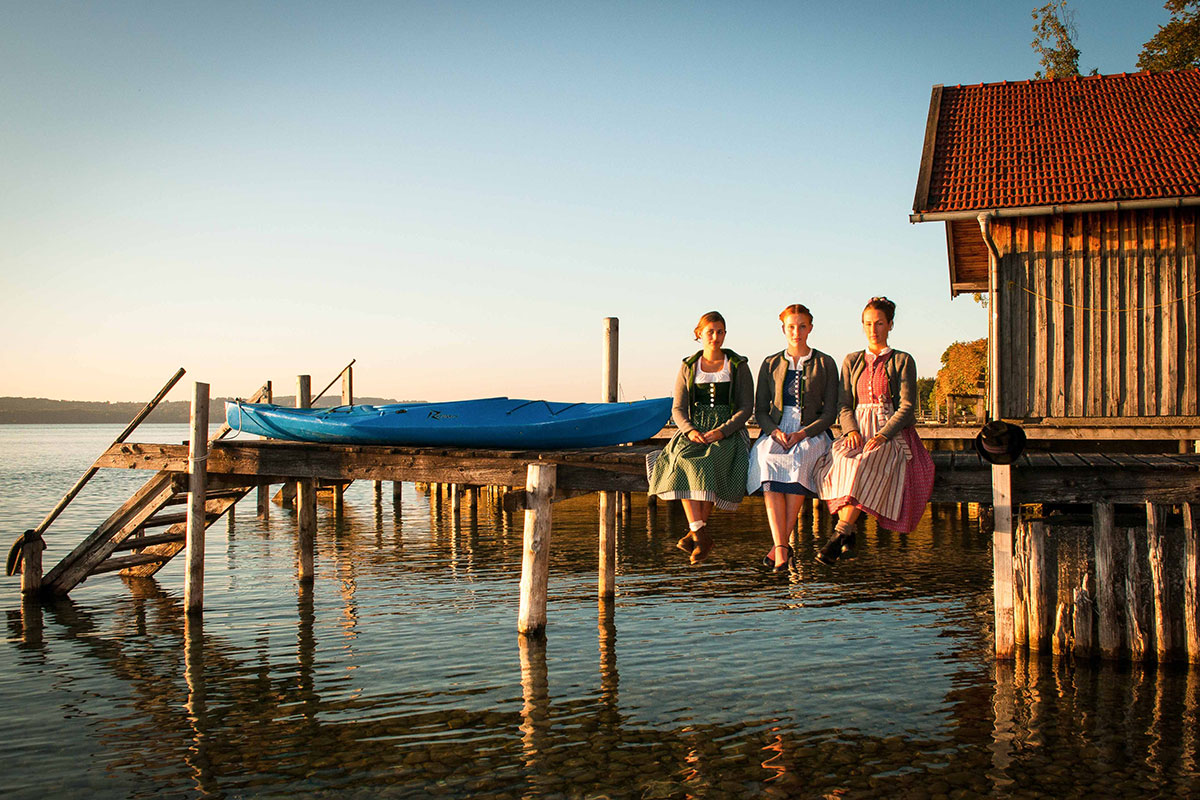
x: 535, y: 560
x: 197, y: 517
x: 306, y: 501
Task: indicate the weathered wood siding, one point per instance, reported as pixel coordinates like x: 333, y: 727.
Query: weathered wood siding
x: 1098, y: 314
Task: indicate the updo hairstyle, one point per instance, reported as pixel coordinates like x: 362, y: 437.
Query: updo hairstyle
x: 796, y: 308
x: 882, y: 304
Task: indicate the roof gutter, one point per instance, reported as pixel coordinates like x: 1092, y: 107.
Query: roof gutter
x: 985, y: 227
x: 1069, y: 208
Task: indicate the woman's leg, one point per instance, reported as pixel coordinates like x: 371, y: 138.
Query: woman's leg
x: 781, y: 514
x: 704, y: 540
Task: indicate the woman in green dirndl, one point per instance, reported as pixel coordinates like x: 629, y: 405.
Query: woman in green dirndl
x: 704, y: 465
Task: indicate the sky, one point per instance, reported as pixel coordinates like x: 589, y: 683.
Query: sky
x: 456, y: 194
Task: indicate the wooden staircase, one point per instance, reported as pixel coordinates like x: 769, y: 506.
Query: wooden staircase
x: 121, y: 544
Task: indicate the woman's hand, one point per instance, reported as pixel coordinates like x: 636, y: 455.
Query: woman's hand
x: 854, y: 440
x: 714, y: 435
x: 696, y: 436
x: 874, y: 442
x: 795, y: 438
x: 781, y: 438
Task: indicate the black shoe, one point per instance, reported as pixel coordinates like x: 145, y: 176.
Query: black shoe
x: 849, y: 545
x: 769, y: 560
x: 831, y: 551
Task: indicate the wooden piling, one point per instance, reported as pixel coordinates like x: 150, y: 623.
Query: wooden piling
x: 193, y: 586
x: 455, y: 499
x: 1082, y: 619
x: 1041, y: 587
x: 608, y: 544
x: 397, y: 488
x: 1060, y: 645
x: 1136, y: 617
x: 306, y: 501
x: 32, y: 546
x: 1164, y: 641
x: 1191, y: 585
x: 535, y: 560
x: 1104, y: 538
x: 609, y: 501
x: 264, y: 489
x: 1002, y: 560
x: 1020, y: 587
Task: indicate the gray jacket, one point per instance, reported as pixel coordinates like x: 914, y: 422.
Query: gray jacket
x: 820, y: 408
x: 902, y: 385
x: 741, y: 392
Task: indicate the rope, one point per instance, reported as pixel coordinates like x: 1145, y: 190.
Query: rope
x: 1065, y: 304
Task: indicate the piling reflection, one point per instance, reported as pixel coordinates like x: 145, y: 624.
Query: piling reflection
x: 391, y: 673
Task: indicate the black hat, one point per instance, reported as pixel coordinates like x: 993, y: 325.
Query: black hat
x: 1000, y: 442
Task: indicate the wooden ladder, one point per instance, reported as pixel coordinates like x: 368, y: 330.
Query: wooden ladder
x: 125, y: 529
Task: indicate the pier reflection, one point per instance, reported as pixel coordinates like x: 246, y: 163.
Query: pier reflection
x: 395, y: 672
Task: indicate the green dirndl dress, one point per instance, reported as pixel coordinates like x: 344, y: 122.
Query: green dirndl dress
x: 715, y: 472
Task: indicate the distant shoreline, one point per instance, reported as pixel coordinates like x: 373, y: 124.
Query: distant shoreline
x: 42, y: 411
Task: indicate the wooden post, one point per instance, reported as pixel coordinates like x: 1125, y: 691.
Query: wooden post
x: 339, y: 489
x: 1083, y: 619
x: 306, y: 500
x: 608, y: 544
x: 397, y: 488
x: 1104, y: 536
x: 1137, y: 626
x: 1164, y: 642
x: 377, y: 487
x: 472, y: 497
x: 535, y: 559
x: 1021, y: 587
x: 1002, y: 559
x: 609, y: 501
x: 1041, y: 587
x: 626, y: 505
x: 264, y: 489
x: 1061, y: 644
x: 1191, y: 585
x: 455, y: 499
x: 608, y: 378
x: 193, y: 586
x: 32, y: 546
x: 348, y: 386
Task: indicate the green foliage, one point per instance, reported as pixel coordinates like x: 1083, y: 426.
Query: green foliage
x: 964, y: 370
x: 1177, y: 44
x: 925, y: 395
x: 1054, y: 40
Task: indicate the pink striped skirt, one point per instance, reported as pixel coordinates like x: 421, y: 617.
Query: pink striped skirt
x: 892, y: 483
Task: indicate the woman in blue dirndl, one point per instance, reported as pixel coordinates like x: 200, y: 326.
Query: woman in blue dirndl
x: 796, y: 402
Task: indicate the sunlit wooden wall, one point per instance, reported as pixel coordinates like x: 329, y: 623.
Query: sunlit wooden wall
x: 1098, y: 314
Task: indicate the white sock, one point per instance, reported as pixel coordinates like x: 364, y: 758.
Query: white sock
x: 695, y: 526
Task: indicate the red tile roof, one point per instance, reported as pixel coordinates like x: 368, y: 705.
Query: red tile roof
x: 1075, y: 140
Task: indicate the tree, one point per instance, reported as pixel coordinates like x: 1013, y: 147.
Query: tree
x: 1054, y: 40
x: 925, y: 395
x: 964, y: 370
x: 1177, y: 44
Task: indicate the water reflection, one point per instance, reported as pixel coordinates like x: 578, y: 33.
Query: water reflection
x: 395, y: 673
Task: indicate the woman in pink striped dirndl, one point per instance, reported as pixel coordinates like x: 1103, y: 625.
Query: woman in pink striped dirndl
x: 879, y: 464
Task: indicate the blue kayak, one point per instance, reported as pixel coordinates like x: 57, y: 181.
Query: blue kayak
x: 492, y: 422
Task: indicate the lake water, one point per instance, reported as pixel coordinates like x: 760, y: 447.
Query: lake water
x: 400, y: 672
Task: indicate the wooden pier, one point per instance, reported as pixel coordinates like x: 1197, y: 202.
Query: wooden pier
x: 532, y: 481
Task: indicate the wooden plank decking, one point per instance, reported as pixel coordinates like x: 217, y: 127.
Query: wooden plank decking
x: 961, y: 476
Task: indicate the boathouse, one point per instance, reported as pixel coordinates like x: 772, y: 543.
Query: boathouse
x: 1073, y: 204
